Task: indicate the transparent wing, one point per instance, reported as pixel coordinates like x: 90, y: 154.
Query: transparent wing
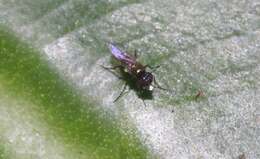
x: 120, y: 55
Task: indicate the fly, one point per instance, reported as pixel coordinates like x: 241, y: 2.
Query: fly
x: 144, y: 80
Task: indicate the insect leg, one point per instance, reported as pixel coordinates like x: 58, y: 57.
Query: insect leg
x: 152, y: 68
x: 158, y: 86
x: 144, y: 102
x: 113, y: 68
x: 121, y: 93
x: 136, y: 54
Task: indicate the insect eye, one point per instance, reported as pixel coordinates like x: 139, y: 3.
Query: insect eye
x: 148, y: 77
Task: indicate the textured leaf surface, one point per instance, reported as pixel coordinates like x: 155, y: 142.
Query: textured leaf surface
x: 57, y: 102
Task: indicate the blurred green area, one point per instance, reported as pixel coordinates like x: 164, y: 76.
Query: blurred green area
x: 23, y: 73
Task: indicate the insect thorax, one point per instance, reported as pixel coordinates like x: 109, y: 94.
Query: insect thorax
x: 136, y: 69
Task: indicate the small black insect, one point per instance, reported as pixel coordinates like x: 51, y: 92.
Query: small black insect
x: 143, y: 80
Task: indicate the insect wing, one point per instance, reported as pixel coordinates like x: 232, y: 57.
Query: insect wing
x: 120, y: 55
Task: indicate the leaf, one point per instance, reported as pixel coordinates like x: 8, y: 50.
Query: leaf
x: 57, y: 102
